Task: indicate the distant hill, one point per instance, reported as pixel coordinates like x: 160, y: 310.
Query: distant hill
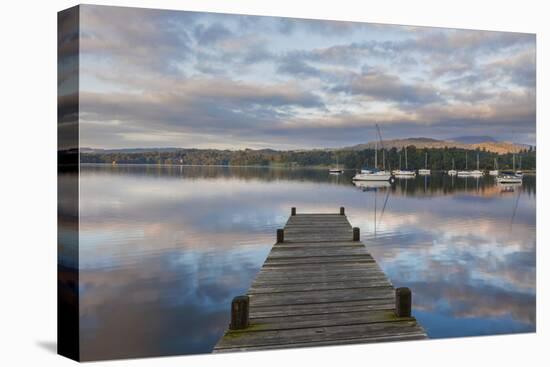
x: 490, y: 145
x: 127, y: 150
x: 474, y: 139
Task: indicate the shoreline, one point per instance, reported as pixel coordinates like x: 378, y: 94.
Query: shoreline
x: 525, y: 171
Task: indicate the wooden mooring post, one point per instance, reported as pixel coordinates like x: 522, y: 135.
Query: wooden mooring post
x: 319, y: 286
x: 280, y: 235
x: 403, y: 302
x: 239, y: 313
x: 356, y: 234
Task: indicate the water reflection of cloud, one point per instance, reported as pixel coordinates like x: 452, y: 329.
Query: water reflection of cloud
x: 174, y: 297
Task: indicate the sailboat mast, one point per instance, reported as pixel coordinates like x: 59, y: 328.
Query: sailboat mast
x: 514, y: 161
x: 477, y: 161
x: 375, y: 155
x: 426, y: 160
x: 466, y: 161
x: 406, y: 165
x: 400, y: 161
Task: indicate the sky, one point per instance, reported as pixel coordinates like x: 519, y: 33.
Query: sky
x: 158, y: 78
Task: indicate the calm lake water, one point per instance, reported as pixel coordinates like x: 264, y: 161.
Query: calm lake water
x: 163, y: 250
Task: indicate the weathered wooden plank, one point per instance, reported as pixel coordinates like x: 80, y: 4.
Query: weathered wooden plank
x: 354, y: 340
x: 281, y: 279
x: 322, y: 320
x: 316, y: 245
x: 325, y: 280
x: 322, y: 283
x: 320, y: 269
x: 320, y: 235
x: 328, y: 239
x: 319, y: 334
x: 316, y: 251
x: 272, y: 273
x: 322, y: 308
x: 271, y: 287
x: 316, y: 218
x: 314, y: 260
x: 335, y: 295
x: 320, y: 226
x: 306, y: 236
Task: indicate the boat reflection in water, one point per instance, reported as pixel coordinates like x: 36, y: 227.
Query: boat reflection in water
x: 508, y: 187
x: 372, y: 185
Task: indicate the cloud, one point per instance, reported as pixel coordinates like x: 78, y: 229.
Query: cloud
x: 386, y: 87
x: 201, y: 106
x: 211, y: 34
x: 297, y: 67
x: 134, y: 38
x: 519, y: 69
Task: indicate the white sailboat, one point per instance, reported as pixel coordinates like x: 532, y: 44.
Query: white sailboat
x: 494, y: 172
x: 477, y: 172
x: 394, y: 172
x: 519, y: 172
x: 509, y: 178
x: 406, y: 173
x: 452, y: 172
x: 374, y: 174
x: 425, y: 171
x: 464, y: 173
x: 336, y: 170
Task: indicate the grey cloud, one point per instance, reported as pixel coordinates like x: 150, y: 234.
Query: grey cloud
x: 455, y: 41
x: 257, y: 53
x: 325, y: 28
x: 385, y: 87
x: 295, y: 66
x: 211, y: 34
x: 458, y: 68
x: 149, y: 39
x: 198, y: 106
x: 344, y: 54
x: 519, y: 69
x: 448, y: 52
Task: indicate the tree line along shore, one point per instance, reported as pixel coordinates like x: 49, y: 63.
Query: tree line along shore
x: 438, y: 158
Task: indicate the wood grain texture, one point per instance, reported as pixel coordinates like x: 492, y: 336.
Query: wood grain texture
x: 318, y: 287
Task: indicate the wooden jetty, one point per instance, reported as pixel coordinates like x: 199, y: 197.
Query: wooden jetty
x: 319, y: 286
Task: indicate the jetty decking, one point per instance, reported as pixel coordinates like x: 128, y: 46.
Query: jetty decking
x: 319, y: 286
